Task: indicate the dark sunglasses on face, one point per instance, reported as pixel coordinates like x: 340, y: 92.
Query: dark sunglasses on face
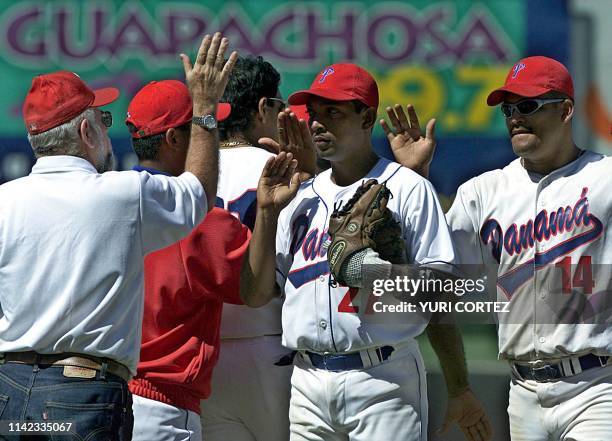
x: 278, y: 100
x: 107, y: 118
x: 527, y: 107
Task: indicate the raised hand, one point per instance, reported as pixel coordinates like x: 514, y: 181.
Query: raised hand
x: 206, y: 80
x: 470, y: 416
x: 294, y: 137
x: 408, y: 145
x: 278, y: 183
x: 208, y: 76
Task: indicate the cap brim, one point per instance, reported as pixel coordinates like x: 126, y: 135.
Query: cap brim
x: 223, y: 111
x: 300, y: 111
x: 304, y: 96
x: 528, y: 91
x: 105, y: 96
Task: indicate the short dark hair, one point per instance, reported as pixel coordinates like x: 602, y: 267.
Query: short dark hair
x: 147, y: 148
x: 251, y: 79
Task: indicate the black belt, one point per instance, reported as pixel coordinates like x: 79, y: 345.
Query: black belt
x: 542, y: 371
x: 76, y: 360
x: 351, y: 361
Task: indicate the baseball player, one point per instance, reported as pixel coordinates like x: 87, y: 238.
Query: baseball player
x: 185, y: 283
x: 355, y: 380
x: 251, y: 348
x: 543, y: 223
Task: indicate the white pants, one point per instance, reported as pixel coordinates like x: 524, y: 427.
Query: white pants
x: 384, y: 402
x: 156, y: 421
x: 250, y: 395
x: 578, y: 408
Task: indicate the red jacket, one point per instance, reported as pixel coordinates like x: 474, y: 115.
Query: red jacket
x: 185, y: 287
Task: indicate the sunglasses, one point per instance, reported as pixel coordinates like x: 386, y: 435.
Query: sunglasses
x: 527, y: 107
x: 278, y: 100
x: 107, y: 118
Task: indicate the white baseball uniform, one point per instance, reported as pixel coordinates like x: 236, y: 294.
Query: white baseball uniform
x: 384, y: 399
x: 250, y: 337
x: 154, y: 420
x: 549, y: 238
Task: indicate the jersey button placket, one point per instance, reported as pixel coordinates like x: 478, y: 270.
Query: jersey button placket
x: 537, y: 246
x: 538, y: 288
x: 322, y: 284
x: 321, y: 324
x: 539, y: 275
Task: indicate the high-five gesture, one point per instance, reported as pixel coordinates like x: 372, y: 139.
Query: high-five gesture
x: 409, y: 147
x: 294, y: 137
x: 206, y: 80
x: 278, y: 183
x: 277, y: 186
x: 208, y: 76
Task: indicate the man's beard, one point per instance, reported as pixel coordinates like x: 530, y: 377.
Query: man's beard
x: 106, y: 164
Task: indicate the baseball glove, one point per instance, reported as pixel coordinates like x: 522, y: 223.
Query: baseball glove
x: 363, y: 222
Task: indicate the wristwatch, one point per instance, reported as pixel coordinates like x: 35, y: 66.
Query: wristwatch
x: 209, y: 122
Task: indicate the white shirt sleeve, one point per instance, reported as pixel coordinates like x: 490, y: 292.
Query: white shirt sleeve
x: 425, y: 230
x: 170, y: 208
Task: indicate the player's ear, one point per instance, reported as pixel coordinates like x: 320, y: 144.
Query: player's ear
x: 84, y: 130
x: 368, y: 118
x: 170, y: 136
x: 177, y: 139
x: 261, y: 108
x: 86, y: 134
x: 568, y: 110
x: 89, y: 145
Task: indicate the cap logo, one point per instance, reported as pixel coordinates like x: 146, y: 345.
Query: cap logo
x: 328, y: 71
x: 516, y: 69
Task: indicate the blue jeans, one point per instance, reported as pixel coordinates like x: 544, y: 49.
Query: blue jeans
x: 100, y: 408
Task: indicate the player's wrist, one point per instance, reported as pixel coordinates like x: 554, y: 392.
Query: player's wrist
x: 458, y: 390
x: 204, y: 107
x: 268, y: 214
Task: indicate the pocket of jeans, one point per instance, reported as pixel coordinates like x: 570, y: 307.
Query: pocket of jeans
x: 92, y: 422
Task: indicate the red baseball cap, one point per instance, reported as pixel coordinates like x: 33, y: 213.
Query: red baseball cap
x: 534, y: 76
x: 340, y: 82
x: 161, y: 105
x: 57, y: 97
